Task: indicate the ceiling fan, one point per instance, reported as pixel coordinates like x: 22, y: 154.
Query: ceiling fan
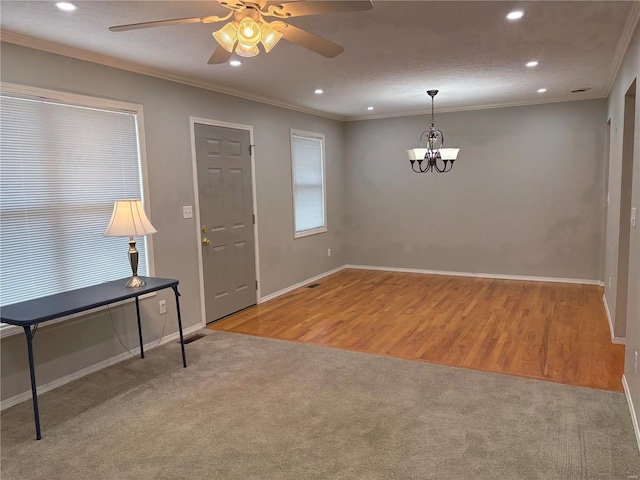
x: 248, y: 28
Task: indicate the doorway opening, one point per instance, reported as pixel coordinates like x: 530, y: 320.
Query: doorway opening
x: 626, y: 188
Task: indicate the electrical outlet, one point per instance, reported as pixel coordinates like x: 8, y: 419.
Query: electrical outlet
x: 608, y: 198
x: 633, y: 217
x: 328, y: 252
x: 609, y: 282
x: 187, y: 212
x: 163, y: 307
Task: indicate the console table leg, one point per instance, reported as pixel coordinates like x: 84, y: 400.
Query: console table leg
x: 34, y: 394
x: 184, y: 357
x: 139, y: 328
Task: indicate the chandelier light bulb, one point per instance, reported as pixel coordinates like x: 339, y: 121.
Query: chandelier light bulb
x: 249, y: 32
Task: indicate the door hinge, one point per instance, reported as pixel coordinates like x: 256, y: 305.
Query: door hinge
x: 251, y: 147
x: 256, y: 284
x: 254, y: 218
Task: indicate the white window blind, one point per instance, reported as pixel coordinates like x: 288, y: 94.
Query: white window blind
x: 307, y: 154
x: 61, y: 169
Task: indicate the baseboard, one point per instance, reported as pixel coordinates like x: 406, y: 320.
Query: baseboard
x: 271, y: 296
x: 614, y: 339
x: 429, y: 272
x: 10, y: 402
x: 481, y: 275
x: 632, y: 410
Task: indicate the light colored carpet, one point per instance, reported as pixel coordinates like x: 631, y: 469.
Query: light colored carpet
x: 253, y: 408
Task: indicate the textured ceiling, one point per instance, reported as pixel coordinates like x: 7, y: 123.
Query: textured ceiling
x: 393, y: 53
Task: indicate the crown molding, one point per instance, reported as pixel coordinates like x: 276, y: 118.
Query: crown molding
x: 88, y: 56
x: 478, y: 107
x: 623, y: 43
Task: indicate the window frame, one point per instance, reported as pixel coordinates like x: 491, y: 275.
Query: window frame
x: 57, y: 96
x: 319, y: 136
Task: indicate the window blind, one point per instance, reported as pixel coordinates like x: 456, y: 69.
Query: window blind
x: 61, y: 169
x: 308, y: 182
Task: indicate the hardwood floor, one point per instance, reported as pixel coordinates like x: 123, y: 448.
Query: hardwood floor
x: 549, y: 331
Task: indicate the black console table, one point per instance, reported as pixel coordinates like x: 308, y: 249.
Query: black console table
x: 30, y: 314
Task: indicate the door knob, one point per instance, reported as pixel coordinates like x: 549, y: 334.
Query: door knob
x: 206, y: 242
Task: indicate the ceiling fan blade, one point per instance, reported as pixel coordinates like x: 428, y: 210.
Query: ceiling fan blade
x: 160, y: 23
x: 308, y: 40
x: 173, y: 21
x: 219, y: 55
x: 300, y: 9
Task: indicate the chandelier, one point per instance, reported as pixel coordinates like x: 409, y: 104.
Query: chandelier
x: 248, y: 30
x: 434, y: 150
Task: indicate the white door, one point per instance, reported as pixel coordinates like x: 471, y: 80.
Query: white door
x: 226, y: 218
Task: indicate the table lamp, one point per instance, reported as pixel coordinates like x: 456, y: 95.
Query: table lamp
x: 128, y: 220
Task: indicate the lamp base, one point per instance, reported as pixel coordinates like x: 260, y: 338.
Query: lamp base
x: 135, y: 281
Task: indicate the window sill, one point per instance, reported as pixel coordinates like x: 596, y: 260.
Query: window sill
x: 308, y: 233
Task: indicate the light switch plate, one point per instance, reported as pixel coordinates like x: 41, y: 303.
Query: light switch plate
x: 187, y: 212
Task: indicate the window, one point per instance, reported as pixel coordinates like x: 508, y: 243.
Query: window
x: 307, y: 158
x: 64, y: 160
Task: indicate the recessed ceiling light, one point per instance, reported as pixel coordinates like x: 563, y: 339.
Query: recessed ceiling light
x: 319, y: 91
x: 532, y: 63
x: 515, y: 15
x: 66, y: 6
x: 369, y: 108
x: 235, y: 63
x: 542, y: 90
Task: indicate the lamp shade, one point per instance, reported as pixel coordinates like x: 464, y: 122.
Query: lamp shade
x: 247, y: 50
x: 417, y: 153
x: 227, y: 36
x: 445, y: 153
x: 128, y: 220
x: 269, y: 37
x: 449, y: 153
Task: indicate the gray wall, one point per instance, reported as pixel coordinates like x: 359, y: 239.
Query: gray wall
x: 629, y: 71
x: 70, y: 346
x: 525, y: 196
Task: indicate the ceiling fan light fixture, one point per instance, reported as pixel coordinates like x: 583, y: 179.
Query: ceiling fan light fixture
x: 247, y: 50
x: 249, y: 32
x: 270, y: 37
x: 227, y: 36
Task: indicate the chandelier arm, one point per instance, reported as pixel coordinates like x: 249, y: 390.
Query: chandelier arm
x: 428, y: 168
x: 422, y: 135
x: 447, y: 163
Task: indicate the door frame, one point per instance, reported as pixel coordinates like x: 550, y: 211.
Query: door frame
x: 196, y: 196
